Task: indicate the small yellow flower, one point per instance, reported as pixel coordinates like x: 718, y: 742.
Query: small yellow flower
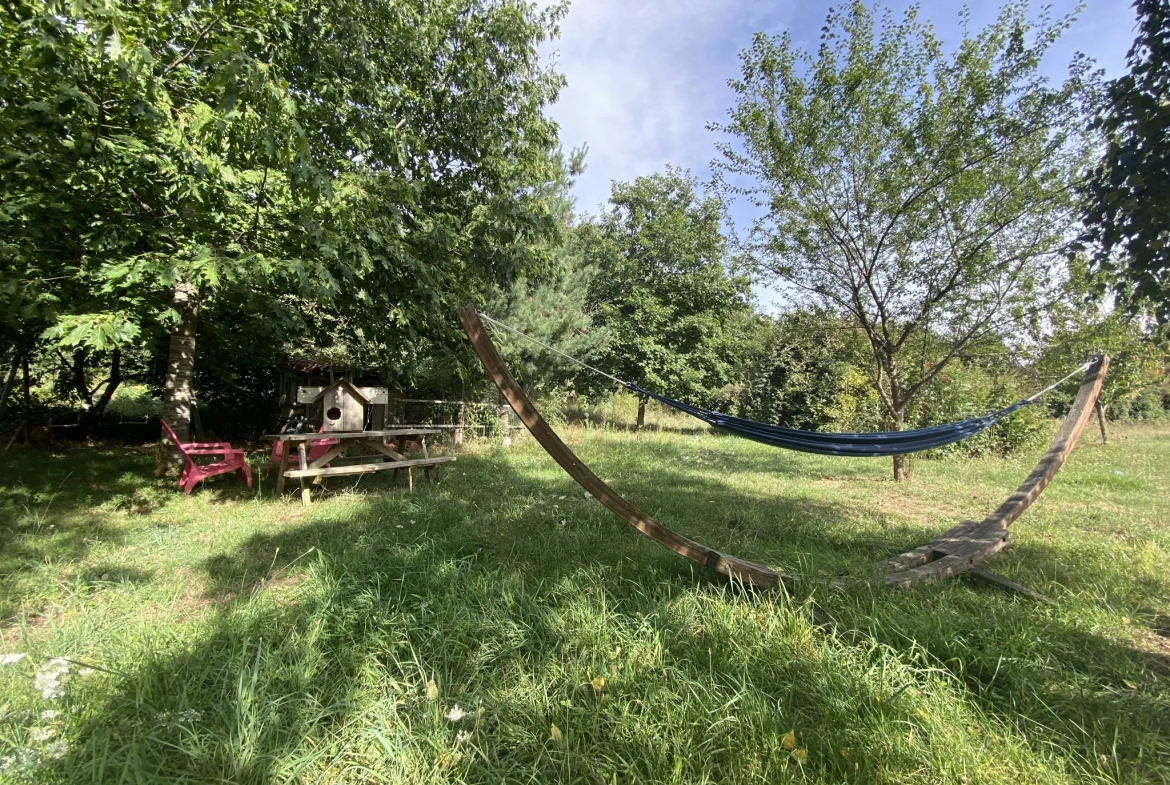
x: 925, y: 717
x: 788, y: 740
x: 598, y: 684
x: 432, y: 690
x: 801, y: 756
x: 554, y: 733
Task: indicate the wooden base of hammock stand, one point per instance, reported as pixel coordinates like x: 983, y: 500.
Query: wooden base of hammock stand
x: 959, y: 550
x: 739, y: 569
x: 969, y: 543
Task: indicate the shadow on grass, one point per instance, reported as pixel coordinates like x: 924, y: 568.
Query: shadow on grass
x: 56, y: 507
x: 511, y: 591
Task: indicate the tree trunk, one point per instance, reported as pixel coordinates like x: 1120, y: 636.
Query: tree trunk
x: 99, y: 408
x: 177, y: 394
x: 8, y: 383
x: 27, y: 401
x: 901, y: 462
x: 1101, y: 421
x: 641, y: 412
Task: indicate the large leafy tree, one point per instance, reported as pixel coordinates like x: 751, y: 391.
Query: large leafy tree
x: 354, y: 167
x: 665, y: 291
x: 1128, y: 194
x: 916, y: 191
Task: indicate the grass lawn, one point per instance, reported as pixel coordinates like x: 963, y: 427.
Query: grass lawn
x: 500, y: 626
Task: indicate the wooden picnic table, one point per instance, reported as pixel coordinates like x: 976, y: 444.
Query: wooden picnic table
x: 384, y: 458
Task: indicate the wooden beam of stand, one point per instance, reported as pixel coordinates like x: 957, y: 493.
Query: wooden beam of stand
x: 740, y: 569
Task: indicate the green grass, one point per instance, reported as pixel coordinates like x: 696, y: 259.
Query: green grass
x: 235, y: 637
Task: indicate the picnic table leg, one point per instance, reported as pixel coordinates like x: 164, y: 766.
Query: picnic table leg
x: 398, y: 447
x: 304, y: 465
x: 281, y: 469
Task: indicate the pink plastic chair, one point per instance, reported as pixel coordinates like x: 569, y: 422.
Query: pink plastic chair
x: 233, y: 461
x: 317, y: 448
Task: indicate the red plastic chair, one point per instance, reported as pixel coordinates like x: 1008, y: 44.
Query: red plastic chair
x: 233, y: 461
x: 317, y: 448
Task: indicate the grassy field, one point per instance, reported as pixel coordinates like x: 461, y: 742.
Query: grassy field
x: 500, y: 626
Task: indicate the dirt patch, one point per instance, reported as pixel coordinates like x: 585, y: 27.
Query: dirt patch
x: 928, y: 512
x: 12, y: 633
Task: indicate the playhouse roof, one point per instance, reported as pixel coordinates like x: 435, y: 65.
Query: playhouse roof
x: 355, y: 391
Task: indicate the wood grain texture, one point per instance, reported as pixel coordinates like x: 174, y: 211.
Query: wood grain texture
x: 739, y: 569
x: 362, y: 468
x: 970, y: 543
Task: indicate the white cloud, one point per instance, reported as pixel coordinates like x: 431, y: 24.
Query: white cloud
x: 644, y: 81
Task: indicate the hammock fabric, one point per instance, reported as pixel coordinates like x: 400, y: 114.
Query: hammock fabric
x: 868, y: 445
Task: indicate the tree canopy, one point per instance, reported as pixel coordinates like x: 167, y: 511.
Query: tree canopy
x: 666, y: 290
x: 318, y: 167
x: 1127, y: 218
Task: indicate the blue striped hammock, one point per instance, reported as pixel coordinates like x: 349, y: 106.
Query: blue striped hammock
x: 852, y: 444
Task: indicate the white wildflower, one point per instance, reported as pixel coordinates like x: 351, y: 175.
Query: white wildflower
x: 10, y: 659
x: 462, y: 737
x: 50, y: 677
x: 50, y: 714
x: 456, y: 713
x: 189, y: 715
x: 588, y: 496
x: 57, y: 750
x: 24, y: 758
x: 42, y: 734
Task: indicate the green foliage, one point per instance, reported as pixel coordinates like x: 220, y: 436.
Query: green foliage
x: 553, y: 313
x: 1082, y: 327
x: 666, y: 290
x: 1127, y: 215
x: 321, y: 166
x: 800, y: 373
x: 134, y: 401
x: 552, y: 308
x: 925, y: 194
x: 969, y: 389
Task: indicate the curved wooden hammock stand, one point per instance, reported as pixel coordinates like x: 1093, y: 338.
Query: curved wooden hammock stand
x: 960, y: 549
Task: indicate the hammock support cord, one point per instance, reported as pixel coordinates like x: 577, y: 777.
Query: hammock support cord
x: 847, y: 444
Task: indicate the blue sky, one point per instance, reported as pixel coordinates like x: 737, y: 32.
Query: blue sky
x: 645, y: 77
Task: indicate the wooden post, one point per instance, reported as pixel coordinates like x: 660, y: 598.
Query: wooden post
x: 459, y: 424
x: 505, y: 425
x: 304, y: 465
x: 285, y: 446
x: 1101, y: 421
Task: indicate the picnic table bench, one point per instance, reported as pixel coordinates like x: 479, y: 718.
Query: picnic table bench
x: 385, y: 457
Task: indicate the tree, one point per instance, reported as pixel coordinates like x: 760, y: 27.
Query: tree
x: 665, y: 289
x: 1082, y: 326
x: 798, y: 373
x: 552, y: 307
x: 915, y: 191
x: 1127, y: 216
x: 351, y: 168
